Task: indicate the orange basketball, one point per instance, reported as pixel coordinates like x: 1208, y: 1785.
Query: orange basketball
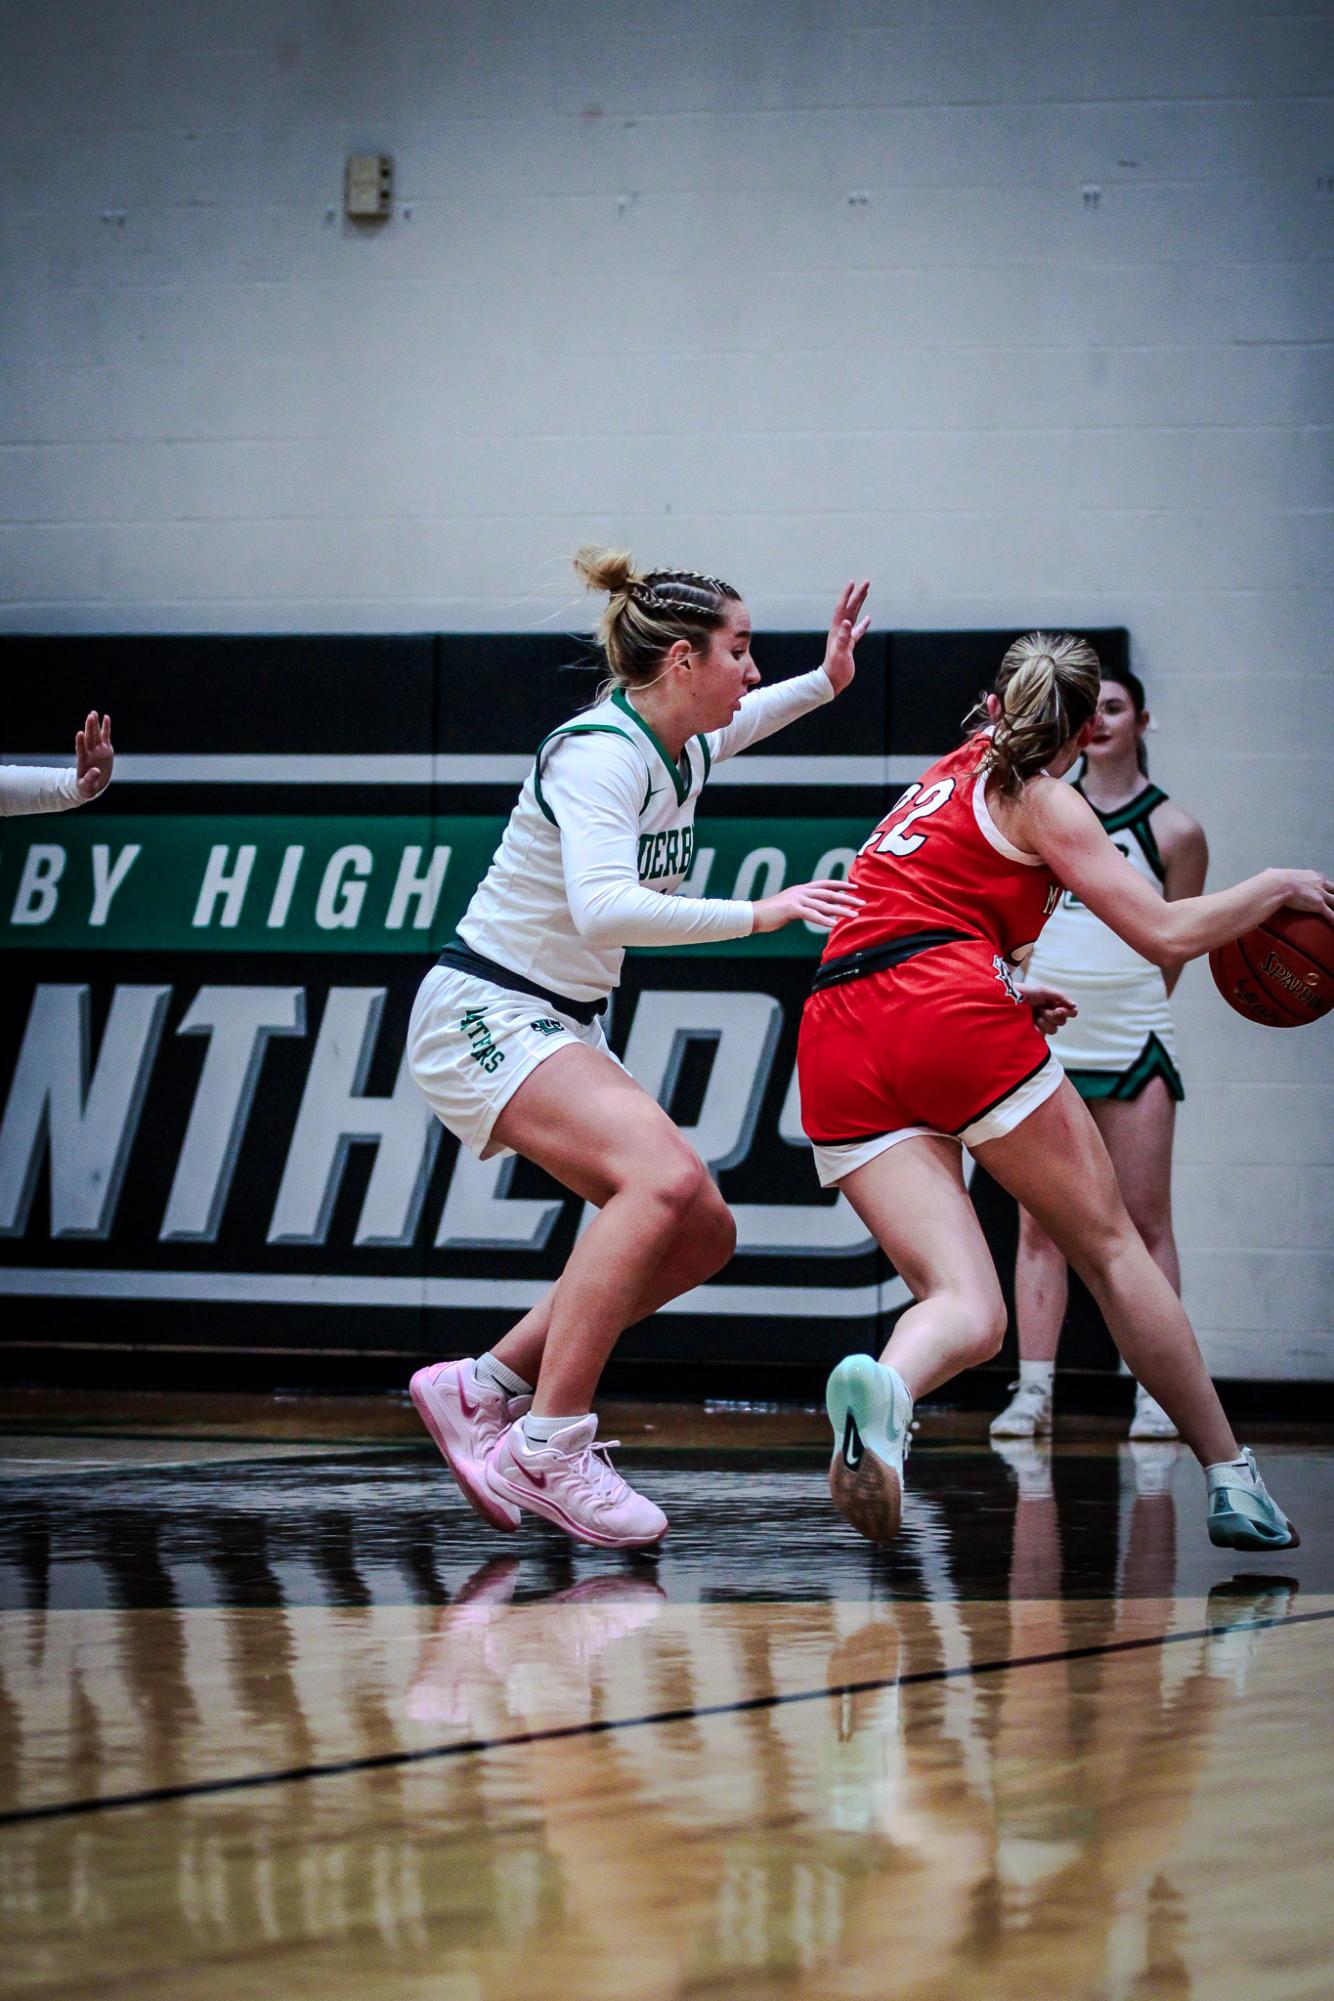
x: 1282, y: 973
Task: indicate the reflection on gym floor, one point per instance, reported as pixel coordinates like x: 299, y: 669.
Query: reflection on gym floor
x: 360, y: 1746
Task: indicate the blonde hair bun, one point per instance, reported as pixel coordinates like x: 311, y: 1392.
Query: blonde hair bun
x: 648, y: 612
x: 610, y: 570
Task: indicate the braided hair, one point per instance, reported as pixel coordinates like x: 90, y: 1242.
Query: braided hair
x: 648, y: 611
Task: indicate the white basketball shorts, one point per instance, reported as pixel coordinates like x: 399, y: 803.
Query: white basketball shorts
x: 471, y: 1044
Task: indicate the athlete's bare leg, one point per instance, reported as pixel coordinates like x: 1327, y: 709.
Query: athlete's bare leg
x: 912, y: 1199
x: 1056, y: 1165
x: 1041, y: 1292
x: 585, y: 1121
x: 1138, y: 1136
x: 690, y: 1258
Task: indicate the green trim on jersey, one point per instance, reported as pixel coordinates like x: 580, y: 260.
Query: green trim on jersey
x: 703, y: 743
x: 1123, y: 1085
x: 619, y: 697
x: 1133, y: 818
x: 571, y: 729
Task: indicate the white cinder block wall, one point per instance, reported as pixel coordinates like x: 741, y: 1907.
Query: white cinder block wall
x: 1024, y: 309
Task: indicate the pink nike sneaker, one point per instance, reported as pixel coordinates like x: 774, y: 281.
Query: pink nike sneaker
x: 574, y: 1484
x: 466, y: 1418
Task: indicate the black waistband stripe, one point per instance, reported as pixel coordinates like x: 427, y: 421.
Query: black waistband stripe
x: 878, y: 958
x: 465, y: 960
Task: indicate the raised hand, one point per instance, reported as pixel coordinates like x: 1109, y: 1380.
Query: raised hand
x: 846, y: 627
x: 94, y: 755
x: 820, y: 904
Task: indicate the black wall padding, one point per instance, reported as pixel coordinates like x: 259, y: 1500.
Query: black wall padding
x: 204, y: 1166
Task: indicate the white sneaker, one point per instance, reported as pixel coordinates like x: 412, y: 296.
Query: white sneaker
x: 573, y: 1483
x: 1150, y: 1419
x: 465, y: 1418
x: 870, y: 1410
x: 1243, y: 1514
x: 1026, y: 1415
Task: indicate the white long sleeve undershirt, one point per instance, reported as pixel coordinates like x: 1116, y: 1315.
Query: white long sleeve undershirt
x: 594, y: 786
x: 38, y: 788
x: 562, y: 898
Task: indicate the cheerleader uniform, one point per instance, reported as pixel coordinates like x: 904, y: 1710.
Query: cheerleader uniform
x: 1122, y: 1035
x: 914, y: 1025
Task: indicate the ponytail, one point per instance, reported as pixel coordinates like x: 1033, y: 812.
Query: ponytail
x: 1048, y: 690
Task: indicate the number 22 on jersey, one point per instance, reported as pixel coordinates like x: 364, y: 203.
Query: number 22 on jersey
x: 895, y: 836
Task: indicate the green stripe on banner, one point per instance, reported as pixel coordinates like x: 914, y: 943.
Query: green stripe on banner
x: 330, y: 883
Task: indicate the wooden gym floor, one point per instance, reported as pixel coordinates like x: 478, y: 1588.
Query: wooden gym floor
x: 279, y: 1717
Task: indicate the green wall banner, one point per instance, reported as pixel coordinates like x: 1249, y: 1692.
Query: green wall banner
x: 335, y: 882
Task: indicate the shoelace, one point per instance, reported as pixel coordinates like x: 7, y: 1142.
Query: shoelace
x: 1034, y: 1392
x: 594, y: 1463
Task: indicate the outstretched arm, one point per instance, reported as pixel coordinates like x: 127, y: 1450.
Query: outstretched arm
x: 594, y: 789
x: 594, y: 786
x: 1065, y: 831
x: 769, y: 709
x: 41, y: 788
x: 37, y: 788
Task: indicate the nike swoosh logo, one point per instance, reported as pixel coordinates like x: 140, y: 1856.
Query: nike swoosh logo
x: 852, y: 1445
x: 538, y: 1479
x: 468, y: 1409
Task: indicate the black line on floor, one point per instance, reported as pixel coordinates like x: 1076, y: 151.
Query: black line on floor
x: 475, y: 1746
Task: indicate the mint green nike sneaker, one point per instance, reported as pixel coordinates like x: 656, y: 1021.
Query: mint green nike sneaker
x: 870, y: 1408
x: 1243, y: 1514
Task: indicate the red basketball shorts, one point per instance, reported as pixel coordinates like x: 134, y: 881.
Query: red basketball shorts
x: 937, y: 1045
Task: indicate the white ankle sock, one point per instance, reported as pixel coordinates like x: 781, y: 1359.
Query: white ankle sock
x: 488, y: 1370
x: 1041, y: 1373
x: 541, y: 1430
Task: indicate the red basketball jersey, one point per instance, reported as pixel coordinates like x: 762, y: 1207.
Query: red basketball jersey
x: 939, y: 860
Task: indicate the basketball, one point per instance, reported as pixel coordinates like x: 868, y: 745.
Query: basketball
x: 1280, y: 975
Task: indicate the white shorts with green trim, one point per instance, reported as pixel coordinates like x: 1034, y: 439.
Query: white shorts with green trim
x: 1115, y: 1021
x: 471, y: 1044
x: 833, y: 1162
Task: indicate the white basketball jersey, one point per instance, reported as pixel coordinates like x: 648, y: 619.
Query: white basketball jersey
x: 520, y: 913
x: 1077, y: 945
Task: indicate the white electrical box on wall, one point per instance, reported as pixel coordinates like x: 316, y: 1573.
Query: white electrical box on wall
x: 368, y: 186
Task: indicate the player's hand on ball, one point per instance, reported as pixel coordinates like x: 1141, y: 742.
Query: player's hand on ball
x: 1051, y: 1010
x: 820, y: 904
x: 845, y: 628
x: 94, y: 755
x: 1305, y: 889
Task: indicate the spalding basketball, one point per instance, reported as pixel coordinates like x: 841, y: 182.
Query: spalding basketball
x: 1282, y: 973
